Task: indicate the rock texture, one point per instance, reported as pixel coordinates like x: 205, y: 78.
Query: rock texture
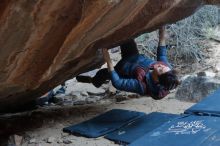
x: 194, y: 88
x: 45, y: 42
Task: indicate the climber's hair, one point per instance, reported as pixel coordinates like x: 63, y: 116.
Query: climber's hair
x: 169, y: 80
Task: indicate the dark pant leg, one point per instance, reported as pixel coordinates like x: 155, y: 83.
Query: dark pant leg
x: 128, y: 49
x: 101, y: 77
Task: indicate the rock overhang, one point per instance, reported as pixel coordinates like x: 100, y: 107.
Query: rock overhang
x: 44, y: 42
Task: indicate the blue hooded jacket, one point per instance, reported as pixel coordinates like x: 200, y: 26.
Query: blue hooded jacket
x: 128, y: 82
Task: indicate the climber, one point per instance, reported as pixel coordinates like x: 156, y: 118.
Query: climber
x: 136, y: 72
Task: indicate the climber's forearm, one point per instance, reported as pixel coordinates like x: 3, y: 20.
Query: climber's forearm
x: 110, y: 66
x: 162, y: 37
x: 107, y: 59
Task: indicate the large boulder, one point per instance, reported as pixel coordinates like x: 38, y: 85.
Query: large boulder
x: 45, y: 42
x: 196, y: 87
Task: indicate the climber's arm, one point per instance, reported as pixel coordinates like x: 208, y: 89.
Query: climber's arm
x: 162, y: 50
x: 107, y: 59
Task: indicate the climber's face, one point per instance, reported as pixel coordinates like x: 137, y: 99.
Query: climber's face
x: 161, y: 68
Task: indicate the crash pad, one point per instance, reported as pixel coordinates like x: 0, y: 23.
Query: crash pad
x: 138, y: 128
x: 104, y: 123
x: 208, y: 106
x: 190, y: 130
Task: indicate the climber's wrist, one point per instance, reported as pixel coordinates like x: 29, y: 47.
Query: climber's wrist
x: 110, y: 66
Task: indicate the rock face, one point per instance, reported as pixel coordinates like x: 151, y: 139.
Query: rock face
x: 45, y: 42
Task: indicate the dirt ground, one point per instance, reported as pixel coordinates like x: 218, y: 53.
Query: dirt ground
x: 52, y: 127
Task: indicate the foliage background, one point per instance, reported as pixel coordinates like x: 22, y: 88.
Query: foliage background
x: 188, y: 39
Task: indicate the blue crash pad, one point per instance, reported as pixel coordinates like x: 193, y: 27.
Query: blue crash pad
x: 104, y: 123
x: 184, y: 131
x: 141, y: 126
x: 208, y: 106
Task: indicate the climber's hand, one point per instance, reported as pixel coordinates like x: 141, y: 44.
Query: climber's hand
x: 106, y: 55
x: 107, y: 59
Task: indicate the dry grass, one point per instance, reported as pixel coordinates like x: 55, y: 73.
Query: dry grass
x: 187, y: 41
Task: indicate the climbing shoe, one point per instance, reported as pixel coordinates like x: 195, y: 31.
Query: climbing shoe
x: 84, y: 79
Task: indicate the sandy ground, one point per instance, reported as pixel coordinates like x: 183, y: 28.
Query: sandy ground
x: 54, y: 129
